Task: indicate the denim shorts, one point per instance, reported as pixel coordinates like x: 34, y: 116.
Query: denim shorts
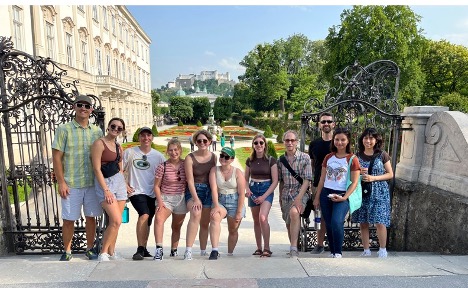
x: 230, y: 203
x: 258, y: 189
x: 203, y: 193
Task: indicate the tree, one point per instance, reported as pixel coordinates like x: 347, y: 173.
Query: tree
x: 201, y: 109
x: 455, y: 102
x: 446, y: 69
x: 181, y: 107
x: 222, y: 108
x: 155, y: 98
x: 370, y: 33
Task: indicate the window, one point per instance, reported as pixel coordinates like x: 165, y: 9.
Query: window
x: 98, y: 61
x: 126, y: 37
x: 18, y: 28
x: 81, y: 7
x: 69, y: 43
x: 138, y: 48
x: 113, y: 24
x: 84, y: 54
x: 50, y: 42
x: 133, y: 43
x: 129, y: 74
x: 123, y: 71
x: 104, y: 17
x: 144, y: 81
x: 95, y: 13
x: 116, y: 68
x: 108, y: 62
x: 134, y: 78
x: 120, y: 31
x: 142, y: 55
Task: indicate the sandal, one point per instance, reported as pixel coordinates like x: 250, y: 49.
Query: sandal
x: 257, y: 252
x: 266, y: 253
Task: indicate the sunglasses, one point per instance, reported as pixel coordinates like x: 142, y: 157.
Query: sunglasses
x: 227, y: 157
x: 326, y: 121
x: 259, y: 142
x: 118, y: 128
x: 81, y: 105
x: 199, y: 141
x: 178, y: 175
x: 290, y: 140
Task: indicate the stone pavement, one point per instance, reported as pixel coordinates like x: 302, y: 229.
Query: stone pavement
x: 400, y: 269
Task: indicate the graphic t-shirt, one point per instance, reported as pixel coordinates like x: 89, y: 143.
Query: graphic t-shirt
x: 337, y: 171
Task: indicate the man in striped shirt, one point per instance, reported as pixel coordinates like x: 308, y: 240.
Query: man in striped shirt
x: 74, y: 173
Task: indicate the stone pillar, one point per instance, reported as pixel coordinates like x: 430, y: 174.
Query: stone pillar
x: 412, y: 146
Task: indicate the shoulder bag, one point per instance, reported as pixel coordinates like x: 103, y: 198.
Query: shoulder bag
x: 310, y: 202
x: 355, y: 199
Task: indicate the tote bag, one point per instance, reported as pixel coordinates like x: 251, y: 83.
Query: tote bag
x: 355, y: 199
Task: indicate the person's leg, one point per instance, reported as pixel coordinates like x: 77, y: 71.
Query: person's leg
x: 159, y: 220
x: 294, y: 225
x: 177, y: 221
x: 120, y: 206
x: 233, y: 228
x: 340, y: 209
x: 192, y: 226
x: 204, y: 228
x: 215, y: 227
x: 326, y: 206
x: 381, y: 234
x: 364, y: 227
x: 111, y: 232
x: 90, y: 231
x: 68, y: 229
x: 264, y: 224
x: 257, y: 229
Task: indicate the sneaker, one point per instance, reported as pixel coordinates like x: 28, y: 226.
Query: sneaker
x: 382, y: 254
x: 188, y: 255
x: 116, y: 256
x: 203, y: 253
x: 146, y: 253
x: 91, y: 254
x: 173, y: 253
x: 66, y: 257
x: 214, y: 255
x: 293, y: 254
x: 318, y: 250
x: 139, y: 254
x: 103, y: 257
x: 366, y: 253
x: 158, y: 255
x: 337, y: 255
x: 331, y: 255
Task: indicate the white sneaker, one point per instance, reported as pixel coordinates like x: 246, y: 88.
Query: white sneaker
x: 366, y: 253
x: 103, y: 257
x: 337, y: 255
x: 116, y: 256
x: 293, y: 254
x: 188, y: 255
x: 203, y: 253
x: 382, y: 254
x: 331, y: 255
x: 158, y: 255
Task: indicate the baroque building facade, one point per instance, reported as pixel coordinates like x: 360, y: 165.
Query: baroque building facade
x: 102, y: 46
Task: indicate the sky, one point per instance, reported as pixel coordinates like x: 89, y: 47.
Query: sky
x: 190, y: 39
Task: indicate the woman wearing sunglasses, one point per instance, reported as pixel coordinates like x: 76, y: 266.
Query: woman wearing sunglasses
x: 111, y: 189
x: 198, y: 194
x: 169, y: 188
x: 227, y: 190
x: 262, y: 171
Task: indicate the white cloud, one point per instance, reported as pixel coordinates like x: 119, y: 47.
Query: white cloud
x: 210, y: 53
x: 231, y: 64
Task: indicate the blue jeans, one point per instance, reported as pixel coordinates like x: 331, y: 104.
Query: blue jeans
x: 334, y: 214
x: 203, y: 193
x: 258, y: 189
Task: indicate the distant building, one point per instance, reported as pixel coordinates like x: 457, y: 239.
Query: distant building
x: 171, y: 84
x: 187, y: 81
x: 204, y: 93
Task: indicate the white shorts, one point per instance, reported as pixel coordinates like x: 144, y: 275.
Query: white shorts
x: 116, y: 185
x: 175, y: 203
x: 81, y: 197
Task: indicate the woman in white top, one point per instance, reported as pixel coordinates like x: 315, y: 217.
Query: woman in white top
x: 227, y: 192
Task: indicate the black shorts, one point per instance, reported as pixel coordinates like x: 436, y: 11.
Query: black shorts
x: 144, y: 204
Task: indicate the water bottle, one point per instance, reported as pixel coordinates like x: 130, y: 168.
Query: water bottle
x: 317, y: 219
x: 125, y: 215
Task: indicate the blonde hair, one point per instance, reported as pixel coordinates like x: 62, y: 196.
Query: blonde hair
x: 174, y: 141
x: 253, y: 155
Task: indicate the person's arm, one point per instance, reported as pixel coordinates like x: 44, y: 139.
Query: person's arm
x: 157, y: 190
x: 248, y: 193
x: 386, y: 176
x: 96, y: 153
x: 319, y: 188
x: 240, y: 191
x: 197, y: 205
x: 214, y: 192
x: 271, y: 189
x: 57, y: 159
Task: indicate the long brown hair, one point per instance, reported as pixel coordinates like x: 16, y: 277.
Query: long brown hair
x: 253, y: 155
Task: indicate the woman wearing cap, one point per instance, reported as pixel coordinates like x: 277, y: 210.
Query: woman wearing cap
x: 262, y: 171
x: 227, y: 191
x: 198, y: 194
x: 111, y: 189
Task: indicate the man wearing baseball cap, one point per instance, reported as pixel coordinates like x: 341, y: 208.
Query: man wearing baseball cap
x: 140, y: 165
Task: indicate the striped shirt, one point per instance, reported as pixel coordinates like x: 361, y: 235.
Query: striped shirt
x: 302, y: 165
x: 75, y: 142
x: 173, y: 180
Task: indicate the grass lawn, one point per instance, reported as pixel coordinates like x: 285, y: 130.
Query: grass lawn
x: 244, y: 152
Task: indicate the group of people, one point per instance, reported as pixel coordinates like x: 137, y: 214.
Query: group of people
x: 94, y: 173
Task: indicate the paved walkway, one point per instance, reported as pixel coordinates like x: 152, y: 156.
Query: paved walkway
x: 400, y: 269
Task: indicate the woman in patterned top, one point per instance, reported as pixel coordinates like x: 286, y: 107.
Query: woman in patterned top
x: 375, y: 207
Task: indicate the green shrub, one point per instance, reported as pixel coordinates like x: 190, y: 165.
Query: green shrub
x: 455, y: 102
x: 241, y: 124
x: 271, y: 149
x: 135, y: 135
x: 155, y: 130
x: 180, y: 123
x: 199, y: 123
x: 268, y: 133
x: 279, y: 138
x: 222, y: 124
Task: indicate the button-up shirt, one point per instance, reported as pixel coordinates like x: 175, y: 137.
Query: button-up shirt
x: 302, y: 166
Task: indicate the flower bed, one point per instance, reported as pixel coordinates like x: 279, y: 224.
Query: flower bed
x: 185, y: 130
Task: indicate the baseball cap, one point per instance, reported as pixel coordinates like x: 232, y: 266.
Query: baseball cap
x: 145, y: 129
x: 83, y: 98
x: 229, y: 151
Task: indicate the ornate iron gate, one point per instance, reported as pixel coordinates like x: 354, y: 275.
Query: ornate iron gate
x: 34, y: 101
x: 364, y: 97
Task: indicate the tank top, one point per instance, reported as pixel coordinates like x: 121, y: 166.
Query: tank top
x: 107, y: 155
x: 201, y: 171
x: 229, y: 186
